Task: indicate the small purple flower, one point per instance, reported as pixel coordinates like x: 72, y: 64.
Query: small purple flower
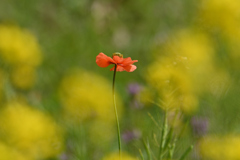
x: 64, y: 156
x: 128, y: 136
x: 133, y: 88
x: 199, y: 126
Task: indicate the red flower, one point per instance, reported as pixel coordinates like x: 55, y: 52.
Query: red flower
x: 123, y: 64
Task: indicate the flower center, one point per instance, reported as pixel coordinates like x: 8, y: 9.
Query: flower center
x: 117, y: 54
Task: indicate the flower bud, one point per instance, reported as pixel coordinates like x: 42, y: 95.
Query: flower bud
x: 117, y: 54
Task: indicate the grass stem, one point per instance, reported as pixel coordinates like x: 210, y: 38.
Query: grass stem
x: 163, y: 136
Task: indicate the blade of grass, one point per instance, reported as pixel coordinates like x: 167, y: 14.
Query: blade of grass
x: 170, y: 133
x: 172, y: 148
x: 155, y: 140
x: 141, y: 154
x: 163, y: 136
x: 186, y: 152
x: 147, y: 147
x: 154, y: 121
x: 169, y: 138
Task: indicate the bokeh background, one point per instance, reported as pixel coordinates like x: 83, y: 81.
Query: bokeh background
x: 56, y: 103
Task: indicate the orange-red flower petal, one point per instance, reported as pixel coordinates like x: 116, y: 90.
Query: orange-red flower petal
x: 123, y: 64
x: 118, y: 59
x: 128, y: 61
x: 103, y: 60
x: 119, y: 69
x: 130, y: 68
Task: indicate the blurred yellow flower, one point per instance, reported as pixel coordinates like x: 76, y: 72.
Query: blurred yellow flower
x: 30, y: 131
x: 18, y: 46
x: 182, y: 69
x: 222, y: 17
x: 86, y: 95
x: 163, y: 74
x: 193, y: 53
x: 187, y: 102
x: 115, y: 156
x: 223, y: 147
x: 8, y: 153
x: 1, y: 83
x: 20, y: 50
x: 173, y: 85
x: 234, y: 53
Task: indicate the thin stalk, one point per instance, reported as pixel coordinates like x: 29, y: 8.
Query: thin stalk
x: 154, y: 121
x: 170, y: 133
x: 186, y: 153
x: 169, y: 138
x: 115, y: 109
x: 172, y: 148
x: 147, y: 147
x: 163, y: 136
x: 141, y: 154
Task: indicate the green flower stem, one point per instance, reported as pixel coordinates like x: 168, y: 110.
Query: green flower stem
x: 116, y: 113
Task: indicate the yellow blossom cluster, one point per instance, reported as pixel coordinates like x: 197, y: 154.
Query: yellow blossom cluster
x: 183, y: 70
x: 1, y: 83
x: 29, y: 131
x: 217, y: 148
x: 21, y: 54
x: 87, y: 96
x: 8, y: 153
x: 173, y: 86
x: 222, y: 17
x: 115, y: 156
x: 173, y: 73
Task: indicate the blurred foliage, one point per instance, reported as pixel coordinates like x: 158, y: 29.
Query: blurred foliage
x: 56, y: 103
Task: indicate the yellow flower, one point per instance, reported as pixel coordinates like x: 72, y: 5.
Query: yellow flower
x: 18, y: 46
x: 30, y: 131
x: 20, y: 50
x: 180, y: 70
x: 222, y: 15
x: 220, y: 147
x: 86, y: 95
x: 191, y: 53
x: 174, y: 85
x: 1, y: 83
x: 115, y: 156
x: 8, y: 153
x: 187, y: 102
x: 164, y: 74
